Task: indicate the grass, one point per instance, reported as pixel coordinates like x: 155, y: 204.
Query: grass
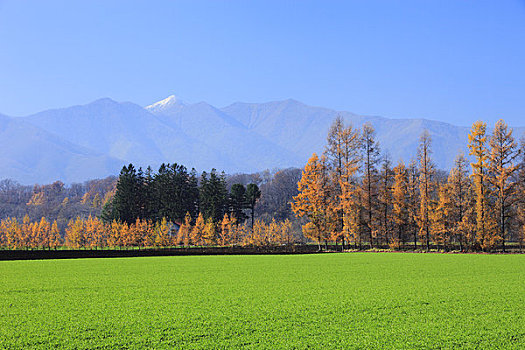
x: 356, y: 300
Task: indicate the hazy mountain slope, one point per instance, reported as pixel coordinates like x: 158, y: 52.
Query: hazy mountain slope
x: 95, y: 140
x: 196, y: 135
x: 303, y: 129
x: 291, y: 124
x: 127, y: 131
x: 106, y: 126
x: 245, y: 149
x: 32, y: 155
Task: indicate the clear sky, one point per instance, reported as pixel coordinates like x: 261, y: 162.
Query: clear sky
x: 455, y: 61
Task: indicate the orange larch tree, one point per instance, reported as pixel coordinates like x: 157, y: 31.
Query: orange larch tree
x: 313, y: 201
x: 197, y: 232
x: 400, y: 210
x: 503, y: 168
x: 478, y: 148
x: 426, y: 186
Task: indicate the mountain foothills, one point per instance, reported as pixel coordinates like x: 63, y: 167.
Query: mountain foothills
x: 95, y: 140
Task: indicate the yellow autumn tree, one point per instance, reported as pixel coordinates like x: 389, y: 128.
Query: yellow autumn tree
x: 89, y: 232
x: 478, y: 149
x: 33, y: 232
x: 342, y: 153
x: 369, y: 182
x: 313, y: 201
x: 209, y: 232
x: 413, y: 201
x: 334, y: 152
x: 441, y: 217
x: 162, y: 233
x: 258, y: 234
x: 43, y: 235
x: 197, y: 232
x: 13, y: 233
x: 25, y: 233
x: 285, y: 232
x: 386, y: 180
x: 75, y: 237
x: 225, y: 231
x: 126, y: 238
x: 55, y: 240
x: 426, y: 187
x: 242, y: 232
x: 400, y: 211
x: 234, y: 230
x: 137, y: 233
x: 145, y: 232
x: 503, y: 168
x: 184, y: 233
x: 460, y: 185
x: 114, y: 239
x: 3, y: 235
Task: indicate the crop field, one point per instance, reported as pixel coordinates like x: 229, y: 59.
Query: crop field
x: 355, y: 300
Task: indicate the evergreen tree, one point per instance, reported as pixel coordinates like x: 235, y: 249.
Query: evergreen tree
x: 253, y: 193
x: 238, y: 202
x: 174, y: 194
x: 192, y: 194
x: 107, y: 213
x: 213, y: 196
x: 151, y: 204
x: 128, y: 201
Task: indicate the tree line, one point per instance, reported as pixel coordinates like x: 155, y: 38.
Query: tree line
x: 94, y: 233
x: 131, y: 212
x: 174, y: 194
x: 55, y: 201
x: 353, y: 194
x: 62, y: 202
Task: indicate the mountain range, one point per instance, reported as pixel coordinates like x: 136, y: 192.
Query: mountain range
x: 95, y: 140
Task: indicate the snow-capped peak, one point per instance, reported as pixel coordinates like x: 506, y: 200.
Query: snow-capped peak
x: 166, y: 105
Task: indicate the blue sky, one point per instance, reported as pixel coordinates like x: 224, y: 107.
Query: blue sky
x: 455, y: 61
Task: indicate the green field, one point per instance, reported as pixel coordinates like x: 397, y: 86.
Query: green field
x: 354, y: 300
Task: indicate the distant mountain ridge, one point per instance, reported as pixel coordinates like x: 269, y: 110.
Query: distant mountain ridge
x: 94, y: 140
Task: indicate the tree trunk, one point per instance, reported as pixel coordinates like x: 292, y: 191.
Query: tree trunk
x: 502, y: 219
x: 427, y: 237
x: 253, y: 213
